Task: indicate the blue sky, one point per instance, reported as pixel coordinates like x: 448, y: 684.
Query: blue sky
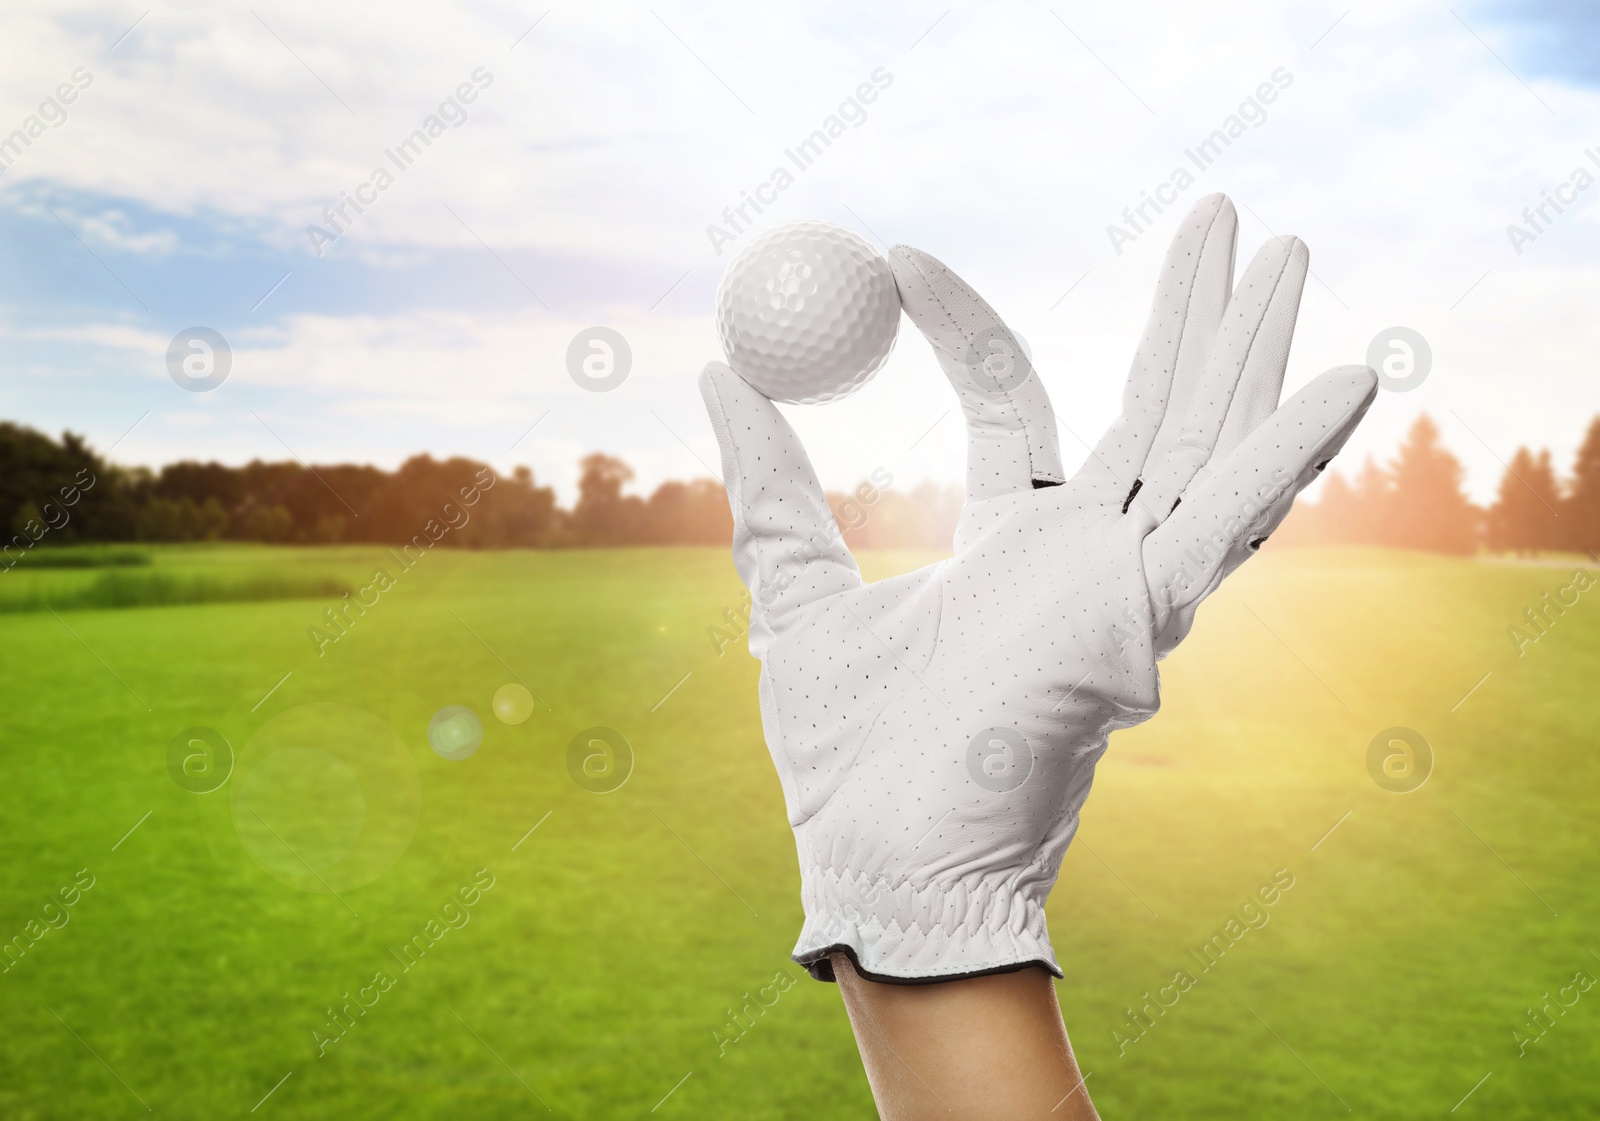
x: 1550, y: 38
x: 578, y: 187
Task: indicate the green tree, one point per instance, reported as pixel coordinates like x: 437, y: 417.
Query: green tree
x: 268, y: 523
x: 70, y: 488
x: 330, y: 529
x: 166, y: 519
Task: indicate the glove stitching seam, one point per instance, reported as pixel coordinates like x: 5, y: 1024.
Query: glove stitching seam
x: 1232, y: 395
x: 1183, y: 334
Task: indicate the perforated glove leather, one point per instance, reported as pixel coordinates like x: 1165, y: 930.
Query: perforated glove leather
x: 936, y: 733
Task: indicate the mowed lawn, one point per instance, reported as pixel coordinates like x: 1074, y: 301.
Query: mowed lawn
x: 602, y: 971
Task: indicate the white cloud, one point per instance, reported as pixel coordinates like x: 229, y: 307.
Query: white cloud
x: 1004, y: 146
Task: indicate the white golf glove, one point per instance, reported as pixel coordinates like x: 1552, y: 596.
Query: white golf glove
x: 936, y: 733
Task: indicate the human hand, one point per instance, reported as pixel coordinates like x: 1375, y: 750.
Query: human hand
x: 936, y: 733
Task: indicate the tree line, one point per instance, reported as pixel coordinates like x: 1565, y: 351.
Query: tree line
x: 61, y: 491
x: 1416, y: 501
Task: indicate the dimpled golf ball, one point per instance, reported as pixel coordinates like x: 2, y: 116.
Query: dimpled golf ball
x: 807, y: 313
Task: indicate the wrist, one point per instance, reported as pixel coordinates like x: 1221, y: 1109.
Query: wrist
x: 979, y: 1049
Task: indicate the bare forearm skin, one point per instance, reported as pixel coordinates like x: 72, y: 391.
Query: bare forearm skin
x: 982, y: 1049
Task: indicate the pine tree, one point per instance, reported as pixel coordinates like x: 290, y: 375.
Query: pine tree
x: 1428, y: 509
x: 1523, y: 517
x: 1346, y: 514
x: 1335, y: 518
x: 1582, y: 507
x: 1374, y: 508
x: 1308, y: 522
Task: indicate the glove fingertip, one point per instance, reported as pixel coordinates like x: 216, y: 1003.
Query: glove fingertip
x: 713, y: 373
x: 1360, y: 379
x: 910, y: 257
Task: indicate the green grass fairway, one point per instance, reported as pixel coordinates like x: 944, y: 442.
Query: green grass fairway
x: 601, y: 968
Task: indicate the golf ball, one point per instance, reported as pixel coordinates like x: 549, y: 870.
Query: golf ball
x: 807, y: 313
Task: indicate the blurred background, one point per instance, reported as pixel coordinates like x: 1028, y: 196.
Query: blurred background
x: 379, y: 732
